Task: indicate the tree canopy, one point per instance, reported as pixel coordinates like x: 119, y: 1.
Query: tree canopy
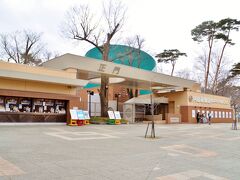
x: 211, y: 32
x: 170, y: 55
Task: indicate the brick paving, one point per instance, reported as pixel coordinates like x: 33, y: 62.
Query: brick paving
x: 180, y: 152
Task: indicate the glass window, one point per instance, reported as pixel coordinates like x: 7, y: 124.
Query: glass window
x: 2, y: 104
x: 25, y: 105
x: 11, y: 104
x: 60, y: 106
x: 37, y: 105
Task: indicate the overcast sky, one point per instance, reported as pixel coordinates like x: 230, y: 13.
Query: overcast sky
x: 163, y: 24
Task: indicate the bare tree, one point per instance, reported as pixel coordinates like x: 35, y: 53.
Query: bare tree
x: 206, y: 29
x: 80, y: 25
x: 212, y: 32
x: 225, y: 26
x: 185, y: 74
x: 133, y: 55
x: 24, y: 47
x: 200, y: 68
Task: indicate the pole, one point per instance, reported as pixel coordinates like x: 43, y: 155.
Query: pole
x: 152, y: 112
x: 89, y: 104
x: 117, y: 102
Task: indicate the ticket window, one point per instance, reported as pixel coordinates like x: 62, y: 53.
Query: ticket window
x: 60, y: 107
x: 48, y: 106
x: 11, y: 104
x: 38, y: 105
x: 25, y: 105
x: 2, y: 104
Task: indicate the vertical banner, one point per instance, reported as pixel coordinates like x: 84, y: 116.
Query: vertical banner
x: 193, y: 113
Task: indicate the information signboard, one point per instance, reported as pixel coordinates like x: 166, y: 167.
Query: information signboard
x: 73, y: 114
x: 117, y: 115
x: 111, y: 115
x: 86, y: 115
x: 80, y: 114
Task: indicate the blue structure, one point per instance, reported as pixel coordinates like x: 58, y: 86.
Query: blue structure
x: 121, y: 54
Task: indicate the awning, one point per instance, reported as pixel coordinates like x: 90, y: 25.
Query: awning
x: 89, y: 69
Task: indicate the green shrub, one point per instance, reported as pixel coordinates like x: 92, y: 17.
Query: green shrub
x: 103, y: 120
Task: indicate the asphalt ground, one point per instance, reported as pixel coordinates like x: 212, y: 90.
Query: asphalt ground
x: 95, y: 152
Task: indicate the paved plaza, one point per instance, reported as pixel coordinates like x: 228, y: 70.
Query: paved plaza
x: 95, y: 152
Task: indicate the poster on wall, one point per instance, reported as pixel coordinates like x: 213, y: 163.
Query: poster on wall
x: 80, y: 114
x: 73, y: 114
x: 193, y: 113
x: 203, y: 112
x: 86, y: 115
x: 230, y: 114
x: 226, y: 114
x: 216, y: 114
x: 111, y: 115
x: 207, y: 113
x: 223, y: 114
x: 212, y: 114
x: 117, y: 115
x: 220, y: 114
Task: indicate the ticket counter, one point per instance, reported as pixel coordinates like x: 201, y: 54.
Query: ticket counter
x: 25, y: 109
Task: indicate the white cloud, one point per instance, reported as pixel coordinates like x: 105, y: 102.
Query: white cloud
x: 163, y: 24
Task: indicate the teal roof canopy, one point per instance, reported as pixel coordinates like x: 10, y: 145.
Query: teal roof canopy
x: 121, y: 54
x: 126, y: 55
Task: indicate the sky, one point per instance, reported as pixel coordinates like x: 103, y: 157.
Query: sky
x: 163, y: 24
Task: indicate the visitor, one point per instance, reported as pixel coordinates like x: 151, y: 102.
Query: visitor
x: 204, y: 118
x: 198, y: 117
x: 209, y: 118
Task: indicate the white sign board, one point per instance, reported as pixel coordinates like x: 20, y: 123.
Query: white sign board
x: 212, y: 114
x: 226, y: 114
x: 216, y: 114
x: 117, y: 115
x: 80, y: 114
x: 230, y: 114
x: 86, y: 115
x: 193, y: 113
x: 73, y: 114
x: 174, y: 119
x: 111, y: 115
x: 220, y: 114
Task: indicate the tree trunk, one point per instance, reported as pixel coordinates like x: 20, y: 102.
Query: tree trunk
x: 208, y: 63
x: 173, y: 66
x: 218, y: 69
x: 104, y: 84
x: 104, y: 96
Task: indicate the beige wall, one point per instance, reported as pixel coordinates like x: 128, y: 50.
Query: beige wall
x: 24, y: 85
x: 179, y: 99
x: 221, y: 102
x: 37, y: 70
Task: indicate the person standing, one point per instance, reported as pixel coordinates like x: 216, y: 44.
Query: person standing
x: 209, y: 118
x: 198, y: 117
